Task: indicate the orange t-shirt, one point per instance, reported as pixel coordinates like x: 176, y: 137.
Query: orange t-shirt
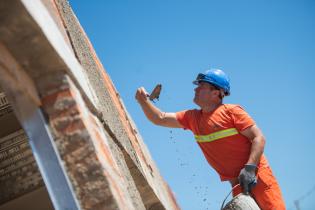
x: 226, y: 155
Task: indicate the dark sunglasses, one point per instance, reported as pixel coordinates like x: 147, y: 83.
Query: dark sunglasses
x: 201, y: 77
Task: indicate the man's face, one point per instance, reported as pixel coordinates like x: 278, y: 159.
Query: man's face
x: 205, y: 94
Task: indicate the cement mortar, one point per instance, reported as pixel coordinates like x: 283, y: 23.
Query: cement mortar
x: 87, y: 58
x: 242, y: 202
x: 131, y: 187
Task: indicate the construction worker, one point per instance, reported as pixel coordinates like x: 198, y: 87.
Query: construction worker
x: 229, y: 138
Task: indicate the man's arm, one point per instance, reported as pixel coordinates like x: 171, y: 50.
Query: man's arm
x: 155, y: 115
x: 258, y: 143
x: 247, y: 177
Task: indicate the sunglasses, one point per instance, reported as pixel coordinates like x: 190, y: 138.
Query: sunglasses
x: 202, y: 77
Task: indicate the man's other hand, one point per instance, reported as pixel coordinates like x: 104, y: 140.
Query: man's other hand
x: 247, y: 178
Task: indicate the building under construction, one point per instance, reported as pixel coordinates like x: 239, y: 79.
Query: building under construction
x: 66, y: 139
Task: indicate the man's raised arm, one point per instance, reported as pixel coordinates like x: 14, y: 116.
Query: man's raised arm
x: 155, y: 115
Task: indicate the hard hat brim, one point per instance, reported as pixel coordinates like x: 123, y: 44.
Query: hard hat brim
x: 196, y: 82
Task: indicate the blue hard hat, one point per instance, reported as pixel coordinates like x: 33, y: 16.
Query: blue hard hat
x: 215, y: 77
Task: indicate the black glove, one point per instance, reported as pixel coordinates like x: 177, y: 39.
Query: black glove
x: 247, y: 178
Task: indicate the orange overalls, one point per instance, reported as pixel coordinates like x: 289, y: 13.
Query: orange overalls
x: 267, y: 192
x: 227, y: 151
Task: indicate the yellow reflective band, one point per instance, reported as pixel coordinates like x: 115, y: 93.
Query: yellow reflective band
x: 216, y: 135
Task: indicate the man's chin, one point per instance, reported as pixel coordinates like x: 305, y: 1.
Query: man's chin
x: 196, y: 101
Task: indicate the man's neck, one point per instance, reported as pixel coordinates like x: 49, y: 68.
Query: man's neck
x: 211, y: 107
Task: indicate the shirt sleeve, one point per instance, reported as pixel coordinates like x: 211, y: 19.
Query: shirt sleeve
x: 185, y: 118
x: 241, y: 118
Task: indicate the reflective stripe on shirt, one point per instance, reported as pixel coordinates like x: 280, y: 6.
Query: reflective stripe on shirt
x: 216, y: 135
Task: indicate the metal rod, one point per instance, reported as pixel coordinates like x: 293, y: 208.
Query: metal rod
x: 49, y: 162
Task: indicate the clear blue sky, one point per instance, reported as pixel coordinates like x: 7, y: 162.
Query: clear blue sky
x: 266, y: 47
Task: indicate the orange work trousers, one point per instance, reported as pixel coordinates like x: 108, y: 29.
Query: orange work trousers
x: 267, y: 192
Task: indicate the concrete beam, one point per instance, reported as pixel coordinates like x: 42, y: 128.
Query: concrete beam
x: 44, y: 47
x: 23, y: 96
x: 71, y: 148
x: 115, y: 116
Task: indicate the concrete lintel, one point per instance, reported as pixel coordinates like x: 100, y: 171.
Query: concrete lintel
x: 26, y: 107
x: 48, y: 26
x: 44, y: 48
x: 12, y: 70
x: 116, y: 119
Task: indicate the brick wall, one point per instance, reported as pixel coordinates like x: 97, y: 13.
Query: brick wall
x: 84, y: 148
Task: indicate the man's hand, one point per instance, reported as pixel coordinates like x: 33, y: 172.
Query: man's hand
x: 156, y: 116
x: 247, y: 178
x: 141, y: 95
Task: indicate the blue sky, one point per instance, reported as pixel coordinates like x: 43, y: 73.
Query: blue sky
x: 266, y: 47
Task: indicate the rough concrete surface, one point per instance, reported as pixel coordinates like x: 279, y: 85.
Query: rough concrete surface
x: 105, y: 159
x: 241, y: 202
x: 114, y: 114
